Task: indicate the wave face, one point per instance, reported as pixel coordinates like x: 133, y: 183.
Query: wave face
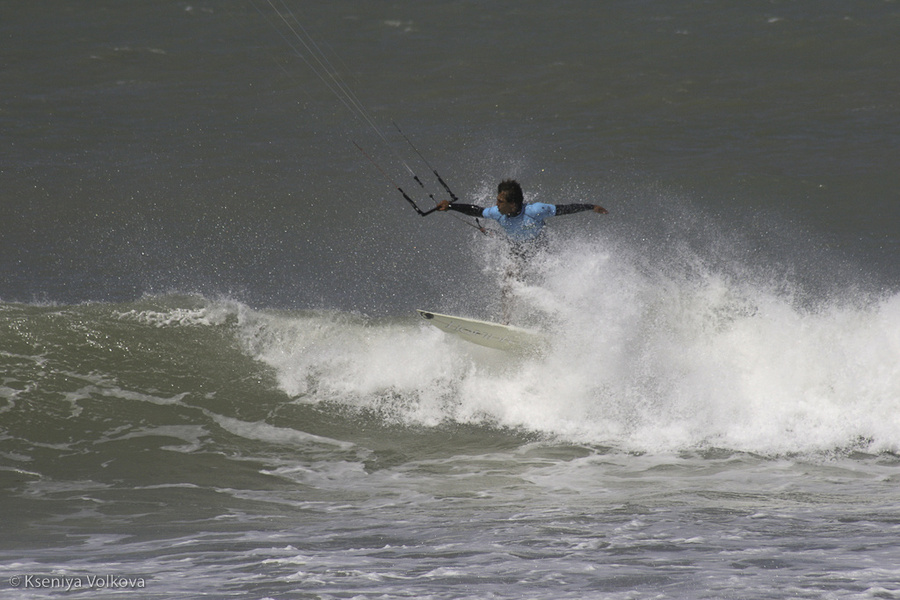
x: 329, y: 450
x: 639, y: 361
x: 199, y: 444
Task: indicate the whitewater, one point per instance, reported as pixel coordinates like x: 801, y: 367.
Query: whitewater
x: 681, y: 359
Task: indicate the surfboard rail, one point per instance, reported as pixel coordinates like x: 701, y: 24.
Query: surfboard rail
x: 485, y: 333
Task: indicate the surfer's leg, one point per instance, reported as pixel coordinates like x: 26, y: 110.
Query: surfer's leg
x: 507, y: 298
x: 516, y: 264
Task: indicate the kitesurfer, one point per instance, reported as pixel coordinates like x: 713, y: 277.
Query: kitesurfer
x: 523, y: 224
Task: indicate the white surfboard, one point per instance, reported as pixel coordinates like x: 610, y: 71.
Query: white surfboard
x: 484, y: 333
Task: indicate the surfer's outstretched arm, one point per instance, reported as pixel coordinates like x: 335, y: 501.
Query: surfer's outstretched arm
x: 472, y: 210
x: 568, y: 209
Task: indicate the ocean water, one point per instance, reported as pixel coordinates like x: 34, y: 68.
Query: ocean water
x: 213, y: 381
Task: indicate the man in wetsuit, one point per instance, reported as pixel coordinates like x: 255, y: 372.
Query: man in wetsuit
x: 522, y: 223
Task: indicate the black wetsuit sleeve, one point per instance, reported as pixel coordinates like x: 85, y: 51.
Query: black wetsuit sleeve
x: 467, y: 209
x: 568, y: 209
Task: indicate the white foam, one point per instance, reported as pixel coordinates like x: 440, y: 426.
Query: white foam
x: 213, y: 313
x: 269, y: 433
x: 394, y: 367
x: 648, y: 360
x: 192, y: 436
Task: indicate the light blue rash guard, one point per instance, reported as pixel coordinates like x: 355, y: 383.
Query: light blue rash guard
x: 526, y: 225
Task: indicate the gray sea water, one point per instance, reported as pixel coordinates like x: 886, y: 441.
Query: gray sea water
x: 212, y: 381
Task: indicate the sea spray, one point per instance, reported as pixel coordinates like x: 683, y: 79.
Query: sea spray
x: 649, y: 361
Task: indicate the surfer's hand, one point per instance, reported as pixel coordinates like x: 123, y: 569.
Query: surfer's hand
x: 600, y: 209
x: 444, y: 205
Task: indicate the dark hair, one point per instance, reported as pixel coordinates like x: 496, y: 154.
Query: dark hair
x: 513, y: 191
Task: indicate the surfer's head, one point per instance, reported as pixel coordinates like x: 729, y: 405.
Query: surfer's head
x: 509, y: 197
